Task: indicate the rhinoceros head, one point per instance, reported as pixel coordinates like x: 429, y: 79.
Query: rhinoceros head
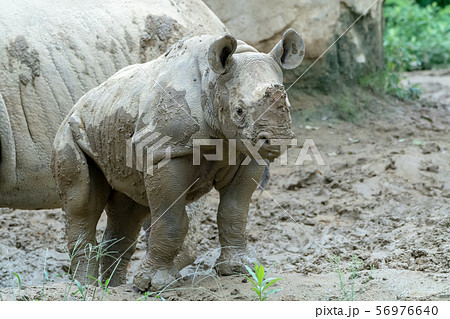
x: 249, y: 96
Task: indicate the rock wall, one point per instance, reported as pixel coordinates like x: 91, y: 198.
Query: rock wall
x: 262, y: 22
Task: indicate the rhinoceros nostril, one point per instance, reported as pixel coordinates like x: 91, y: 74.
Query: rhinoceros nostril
x: 277, y: 95
x: 264, y: 136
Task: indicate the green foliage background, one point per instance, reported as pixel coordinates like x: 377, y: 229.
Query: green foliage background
x: 441, y: 3
x: 417, y: 34
x: 417, y: 37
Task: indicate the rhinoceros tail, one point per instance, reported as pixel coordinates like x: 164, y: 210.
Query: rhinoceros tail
x: 265, y: 178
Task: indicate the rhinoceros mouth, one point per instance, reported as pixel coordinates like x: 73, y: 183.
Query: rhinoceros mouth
x: 269, y: 151
x: 271, y: 155
x: 271, y: 137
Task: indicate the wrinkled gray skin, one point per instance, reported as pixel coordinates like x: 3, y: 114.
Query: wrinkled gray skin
x: 53, y: 52
x: 207, y: 87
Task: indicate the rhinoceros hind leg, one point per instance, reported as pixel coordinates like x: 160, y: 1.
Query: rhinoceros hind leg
x: 84, y: 192
x: 125, y: 218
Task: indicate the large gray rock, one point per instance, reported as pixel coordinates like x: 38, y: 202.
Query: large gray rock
x: 321, y: 22
x: 53, y: 54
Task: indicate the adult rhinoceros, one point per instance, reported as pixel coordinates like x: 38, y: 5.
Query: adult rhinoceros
x: 53, y: 52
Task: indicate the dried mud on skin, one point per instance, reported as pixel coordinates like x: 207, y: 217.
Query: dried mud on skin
x: 384, y: 200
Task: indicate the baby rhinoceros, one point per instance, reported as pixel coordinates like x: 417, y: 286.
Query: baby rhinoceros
x: 137, y: 147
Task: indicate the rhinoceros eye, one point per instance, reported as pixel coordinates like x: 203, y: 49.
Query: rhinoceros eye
x: 239, y: 111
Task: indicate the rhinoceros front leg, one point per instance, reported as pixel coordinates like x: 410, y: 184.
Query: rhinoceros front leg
x: 166, y: 191
x: 232, y: 219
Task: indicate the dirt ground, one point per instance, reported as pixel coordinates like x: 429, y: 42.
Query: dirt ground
x: 380, y: 205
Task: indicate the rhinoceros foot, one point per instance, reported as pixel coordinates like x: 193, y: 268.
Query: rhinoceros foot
x: 156, y: 279
x: 230, y: 263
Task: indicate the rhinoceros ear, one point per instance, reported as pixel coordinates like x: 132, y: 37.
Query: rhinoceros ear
x: 289, y: 52
x: 220, y: 53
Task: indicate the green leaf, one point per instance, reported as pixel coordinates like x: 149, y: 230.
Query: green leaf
x: 80, y: 288
x: 271, y: 283
x: 96, y: 279
x: 251, y: 273
x: 267, y: 280
x: 260, y: 274
x: 267, y: 294
x: 106, y: 285
x: 18, y: 278
x: 257, y: 272
x: 257, y: 291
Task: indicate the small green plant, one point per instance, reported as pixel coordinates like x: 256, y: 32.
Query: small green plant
x: 148, y: 294
x: 144, y: 297
x: 260, y: 282
x: 370, y: 275
x: 93, y: 254
x: 18, y: 279
x: 347, y: 287
x: 86, y: 286
x: 44, y: 274
x: 20, y: 287
x: 391, y: 82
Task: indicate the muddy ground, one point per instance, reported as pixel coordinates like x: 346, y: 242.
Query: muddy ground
x: 381, y: 205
